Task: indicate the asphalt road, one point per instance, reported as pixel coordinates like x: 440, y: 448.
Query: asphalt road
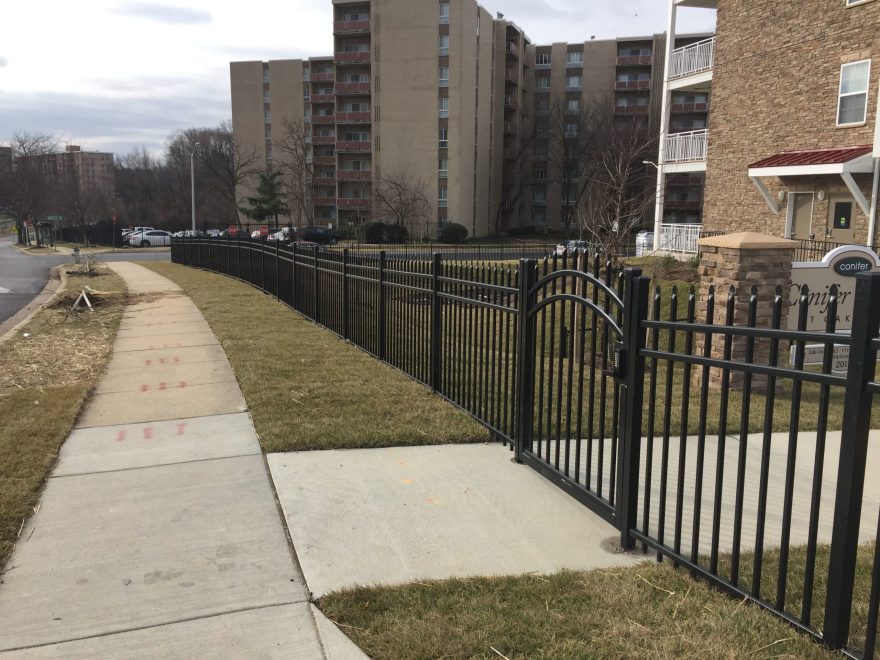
x: 23, y: 276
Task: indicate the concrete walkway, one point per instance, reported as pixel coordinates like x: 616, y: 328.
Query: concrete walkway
x: 158, y: 534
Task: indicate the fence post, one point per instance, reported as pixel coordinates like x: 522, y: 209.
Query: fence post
x: 317, y: 317
x: 293, y: 275
x: 380, y: 330
x: 345, y: 320
x: 525, y: 403
x: 277, y: 271
x: 851, y: 468
x: 436, y: 318
x: 263, y: 264
x: 635, y: 311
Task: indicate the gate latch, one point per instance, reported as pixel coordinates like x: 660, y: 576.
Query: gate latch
x: 619, y: 361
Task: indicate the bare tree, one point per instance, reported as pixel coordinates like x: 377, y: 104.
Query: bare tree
x: 401, y: 200
x: 137, y: 181
x: 77, y: 201
x: 617, y: 193
x: 297, y: 169
x: 516, y: 175
x: 227, y: 166
x: 25, y: 185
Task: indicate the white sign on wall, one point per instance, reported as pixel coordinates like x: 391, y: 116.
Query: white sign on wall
x: 840, y: 266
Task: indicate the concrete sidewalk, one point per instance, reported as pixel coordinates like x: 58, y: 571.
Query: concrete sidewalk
x: 158, y: 534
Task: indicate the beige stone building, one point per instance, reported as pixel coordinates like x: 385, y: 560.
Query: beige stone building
x: 444, y: 97
x: 91, y: 170
x: 793, y: 118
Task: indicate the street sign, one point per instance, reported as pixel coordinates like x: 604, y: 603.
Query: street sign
x: 55, y: 218
x: 232, y: 230
x: 264, y: 230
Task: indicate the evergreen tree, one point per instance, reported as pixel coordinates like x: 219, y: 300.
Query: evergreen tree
x: 269, y: 201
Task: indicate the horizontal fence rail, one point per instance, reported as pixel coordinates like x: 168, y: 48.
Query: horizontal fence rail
x: 693, y: 420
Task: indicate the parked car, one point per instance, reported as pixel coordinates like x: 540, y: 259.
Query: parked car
x: 570, y: 247
x: 282, y: 236
x: 135, y: 230
x: 320, y: 235
x: 152, y: 238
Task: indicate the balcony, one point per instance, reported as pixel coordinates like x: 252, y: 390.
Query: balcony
x: 353, y: 88
x: 325, y: 160
x: 689, y: 107
x: 693, y: 59
x: 353, y: 147
x: 323, y: 181
x: 510, y: 76
x: 632, y: 84
x: 354, y: 57
x: 680, y: 238
x: 323, y: 98
x: 352, y: 117
x: 509, y: 103
x: 323, y: 119
x: 324, y: 201
x: 512, y: 49
x: 323, y: 76
x: 353, y: 203
x: 689, y: 147
x: 354, y: 175
x: 635, y: 60
x: 630, y: 109
x: 350, y: 27
x: 323, y: 139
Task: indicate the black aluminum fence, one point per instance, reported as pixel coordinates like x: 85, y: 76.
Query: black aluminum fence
x: 807, y: 250
x: 748, y: 463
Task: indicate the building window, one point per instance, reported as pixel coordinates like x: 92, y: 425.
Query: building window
x: 542, y: 58
x: 444, y: 107
x: 444, y: 12
x: 571, y: 130
x: 573, y: 82
x: 442, y: 198
x: 444, y: 76
x: 852, y: 101
x: 444, y: 44
x: 444, y: 138
x: 540, y: 174
x: 542, y: 82
x: 576, y: 57
x: 573, y: 106
x: 538, y: 216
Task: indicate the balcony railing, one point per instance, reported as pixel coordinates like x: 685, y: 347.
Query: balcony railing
x: 352, y: 117
x: 632, y: 84
x: 634, y: 60
x: 323, y: 98
x: 680, y: 238
x: 323, y: 119
x: 347, y: 27
x: 322, y: 76
x: 692, y: 59
x: 353, y: 147
x: 689, y: 107
x: 353, y: 57
x: 682, y: 204
x: 630, y: 109
x: 354, y: 175
x: 323, y: 139
x: 353, y: 88
x: 687, y: 147
x: 324, y: 181
x: 353, y: 202
x: 325, y: 160
x: 512, y: 49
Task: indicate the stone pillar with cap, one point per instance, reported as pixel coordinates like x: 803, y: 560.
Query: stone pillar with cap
x: 742, y: 260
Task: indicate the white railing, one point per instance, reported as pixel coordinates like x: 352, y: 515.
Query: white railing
x: 696, y: 58
x: 680, y: 238
x: 686, y: 147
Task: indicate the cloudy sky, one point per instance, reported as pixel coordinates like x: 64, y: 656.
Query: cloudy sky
x: 113, y: 74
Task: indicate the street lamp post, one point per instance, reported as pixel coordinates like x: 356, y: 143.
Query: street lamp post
x: 192, y: 176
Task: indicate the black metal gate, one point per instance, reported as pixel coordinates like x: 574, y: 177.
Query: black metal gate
x: 575, y: 397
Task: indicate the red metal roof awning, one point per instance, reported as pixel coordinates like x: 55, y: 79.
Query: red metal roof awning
x: 813, y: 157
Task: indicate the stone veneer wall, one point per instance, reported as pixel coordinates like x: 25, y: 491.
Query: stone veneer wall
x: 774, y: 88
x: 742, y: 261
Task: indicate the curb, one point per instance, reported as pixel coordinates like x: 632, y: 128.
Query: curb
x: 47, y: 295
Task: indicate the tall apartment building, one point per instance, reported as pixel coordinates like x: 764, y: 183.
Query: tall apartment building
x: 792, y: 120
x: 92, y: 171
x: 411, y: 93
x: 446, y: 97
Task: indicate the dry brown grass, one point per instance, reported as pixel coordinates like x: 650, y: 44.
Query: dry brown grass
x: 46, y: 374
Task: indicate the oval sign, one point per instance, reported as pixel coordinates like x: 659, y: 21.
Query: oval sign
x: 851, y: 266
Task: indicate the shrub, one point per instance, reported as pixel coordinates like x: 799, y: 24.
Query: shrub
x: 379, y: 232
x: 346, y: 233
x: 453, y: 232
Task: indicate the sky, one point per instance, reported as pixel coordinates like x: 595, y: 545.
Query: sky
x: 111, y: 75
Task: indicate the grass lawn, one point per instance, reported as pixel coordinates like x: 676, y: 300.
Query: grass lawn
x: 307, y: 388
x: 45, y: 378
x: 649, y: 611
